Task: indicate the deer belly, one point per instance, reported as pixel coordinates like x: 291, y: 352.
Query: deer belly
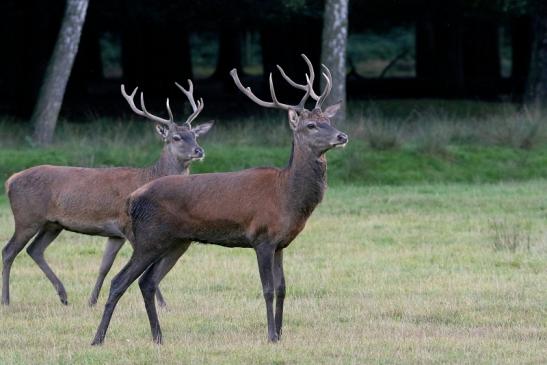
x: 228, y: 233
x: 224, y: 239
x: 108, y: 228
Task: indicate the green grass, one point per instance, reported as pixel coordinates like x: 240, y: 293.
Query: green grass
x: 358, y: 164
x: 400, y: 274
x: 395, y: 143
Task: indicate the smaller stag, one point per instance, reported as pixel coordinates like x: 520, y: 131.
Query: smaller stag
x: 47, y: 199
x: 262, y: 208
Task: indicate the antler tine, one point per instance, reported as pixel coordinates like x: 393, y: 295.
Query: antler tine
x: 308, y: 87
x: 150, y: 116
x: 189, y: 93
x: 313, y: 95
x: 328, y: 78
x: 274, y: 97
x: 144, y: 113
x: 169, y: 110
x: 196, y: 112
x: 309, y: 90
x: 290, y: 81
x: 190, y: 96
x: 247, y: 91
x: 130, y: 101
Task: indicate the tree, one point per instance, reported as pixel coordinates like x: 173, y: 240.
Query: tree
x: 333, y: 50
x: 50, y: 97
x: 537, y: 81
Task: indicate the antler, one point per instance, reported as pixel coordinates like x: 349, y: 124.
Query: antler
x: 247, y: 91
x: 319, y: 99
x: 308, y: 87
x: 144, y: 112
x: 190, y: 95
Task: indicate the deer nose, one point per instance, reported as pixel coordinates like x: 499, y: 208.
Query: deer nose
x: 342, y: 138
x: 198, y: 151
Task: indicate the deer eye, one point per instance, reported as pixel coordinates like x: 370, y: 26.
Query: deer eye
x: 311, y: 126
x: 176, y: 138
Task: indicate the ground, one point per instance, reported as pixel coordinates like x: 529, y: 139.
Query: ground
x: 443, y: 273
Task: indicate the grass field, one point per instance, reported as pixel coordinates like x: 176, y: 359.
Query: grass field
x: 430, y: 247
x: 414, y: 274
x: 391, y: 142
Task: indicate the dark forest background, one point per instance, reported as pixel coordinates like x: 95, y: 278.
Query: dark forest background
x: 471, y: 49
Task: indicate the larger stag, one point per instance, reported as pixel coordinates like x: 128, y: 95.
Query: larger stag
x: 261, y: 208
x: 47, y: 199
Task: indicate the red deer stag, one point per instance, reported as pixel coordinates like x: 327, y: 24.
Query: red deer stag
x: 47, y: 199
x: 260, y: 208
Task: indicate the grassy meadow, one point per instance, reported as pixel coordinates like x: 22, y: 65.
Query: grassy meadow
x: 430, y: 247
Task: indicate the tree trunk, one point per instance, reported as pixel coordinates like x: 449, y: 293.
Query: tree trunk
x: 333, y: 51
x: 537, y: 81
x: 53, y: 88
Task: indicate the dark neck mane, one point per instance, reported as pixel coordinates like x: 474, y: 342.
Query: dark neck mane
x: 306, y: 180
x: 167, y: 164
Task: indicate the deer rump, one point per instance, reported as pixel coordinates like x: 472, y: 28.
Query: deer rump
x: 82, y: 200
x: 208, y: 208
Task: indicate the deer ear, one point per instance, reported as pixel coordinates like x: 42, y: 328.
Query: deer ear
x: 163, y: 131
x: 203, y: 128
x: 293, y: 119
x: 332, y: 110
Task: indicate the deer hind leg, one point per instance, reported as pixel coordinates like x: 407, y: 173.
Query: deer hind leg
x: 150, y: 280
x: 17, y: 242
x: 36, y: 250
x: 279, y: 280
x: 113, y: 246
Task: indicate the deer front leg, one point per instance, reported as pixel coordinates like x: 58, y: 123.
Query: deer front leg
x: 113, y: 246
x: 279, y: 280
x: 265, y: 257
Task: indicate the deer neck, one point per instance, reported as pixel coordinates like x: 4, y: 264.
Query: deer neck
x: 306, y: 180
x: 168, y: 164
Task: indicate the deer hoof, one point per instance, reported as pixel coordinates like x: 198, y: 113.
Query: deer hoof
x: 273, y: 339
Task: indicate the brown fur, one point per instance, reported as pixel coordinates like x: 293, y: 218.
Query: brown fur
x: 47, y: 199
x: 83, y: 200
x: 260, y: 208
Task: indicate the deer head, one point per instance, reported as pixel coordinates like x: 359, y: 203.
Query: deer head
x: 181, y: 139
x: 311, y: 128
